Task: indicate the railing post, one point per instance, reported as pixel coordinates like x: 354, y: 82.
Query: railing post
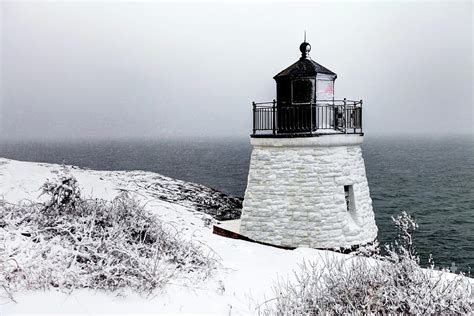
x: 360, y: 117
x: 311, y: 120
x: 344, y: 113
x: 254, y: 109
x: 274, y: 116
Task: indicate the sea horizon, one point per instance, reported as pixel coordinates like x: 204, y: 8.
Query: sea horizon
x: 196, y: 136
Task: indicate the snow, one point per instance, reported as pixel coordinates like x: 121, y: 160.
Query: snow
x: 246, y: 273
x: 232, y: 225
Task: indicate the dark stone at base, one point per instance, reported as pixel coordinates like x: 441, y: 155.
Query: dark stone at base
x: 230, y: 234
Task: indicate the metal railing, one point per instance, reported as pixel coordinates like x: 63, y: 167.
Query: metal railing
x: 322, y: 117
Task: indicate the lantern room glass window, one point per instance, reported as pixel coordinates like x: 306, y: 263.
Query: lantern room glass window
x: 325, y: 90
x: 302, y: 90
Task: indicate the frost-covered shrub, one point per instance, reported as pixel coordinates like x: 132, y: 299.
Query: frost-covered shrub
x: 402, y: 247
x: 70, y: 243
x: 368, y: 250
x: 63, y: 192
x: 387, y: 285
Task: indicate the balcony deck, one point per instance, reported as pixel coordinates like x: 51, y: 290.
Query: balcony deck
x: 307, y: 120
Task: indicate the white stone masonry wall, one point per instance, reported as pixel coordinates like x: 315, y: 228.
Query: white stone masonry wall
x: 295, y: 193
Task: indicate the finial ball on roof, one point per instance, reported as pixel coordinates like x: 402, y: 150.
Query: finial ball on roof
x: 305, y: 48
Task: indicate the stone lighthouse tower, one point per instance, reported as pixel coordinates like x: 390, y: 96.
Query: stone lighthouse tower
x: 307, y: 184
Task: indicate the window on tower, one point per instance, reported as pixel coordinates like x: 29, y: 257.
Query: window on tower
x: 349, y: 196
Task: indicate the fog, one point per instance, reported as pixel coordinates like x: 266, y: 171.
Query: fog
x: 93, y: 70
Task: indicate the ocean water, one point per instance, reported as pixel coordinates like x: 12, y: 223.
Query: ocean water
x: 430, y: 178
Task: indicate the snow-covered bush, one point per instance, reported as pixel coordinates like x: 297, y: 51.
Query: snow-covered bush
x: 70, y: 243
x: 63, y: 192
x: 392, y: 284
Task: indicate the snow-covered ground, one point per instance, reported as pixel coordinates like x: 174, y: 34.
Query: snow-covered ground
x: 246, y: 273
x: 245, y: 277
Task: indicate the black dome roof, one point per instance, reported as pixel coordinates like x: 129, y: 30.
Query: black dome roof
x: 304, y: 67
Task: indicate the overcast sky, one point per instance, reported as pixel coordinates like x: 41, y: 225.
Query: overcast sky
x: 128, y: 69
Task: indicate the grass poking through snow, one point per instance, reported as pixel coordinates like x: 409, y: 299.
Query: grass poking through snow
x: 70, y: 242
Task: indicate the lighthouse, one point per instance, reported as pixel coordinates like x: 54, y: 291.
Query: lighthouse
x: 307, y: 185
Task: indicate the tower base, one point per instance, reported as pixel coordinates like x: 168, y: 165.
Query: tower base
x: 308, y: 192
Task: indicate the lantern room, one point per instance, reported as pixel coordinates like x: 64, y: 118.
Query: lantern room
x: 304, y: 82
x: 305, y: 104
